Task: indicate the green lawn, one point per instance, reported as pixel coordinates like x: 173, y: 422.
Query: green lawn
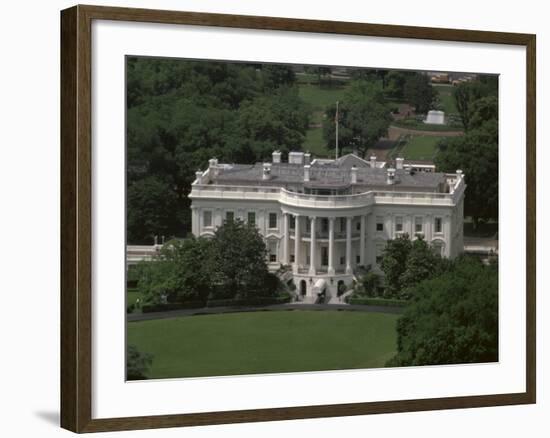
x: 321, y: 97
x: 421, y: 147
x: 265, y: 342
x: 446, y: 98
x: 315, y: 143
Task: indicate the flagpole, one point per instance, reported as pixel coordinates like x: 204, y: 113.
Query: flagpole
x: 336, y: 121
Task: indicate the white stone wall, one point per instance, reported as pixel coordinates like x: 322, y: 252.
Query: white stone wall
x: 450, y: 237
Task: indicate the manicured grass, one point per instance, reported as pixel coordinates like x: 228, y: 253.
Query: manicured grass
x: 265, y: 342
x: 446, y: 98
x: 420, y: 147
x: 315, y: 143
x: 321, y: 97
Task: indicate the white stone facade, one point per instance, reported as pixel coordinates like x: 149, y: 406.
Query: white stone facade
x: 326, y: 237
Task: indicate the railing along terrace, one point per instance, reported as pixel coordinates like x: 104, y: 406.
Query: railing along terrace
x: 325, y: 201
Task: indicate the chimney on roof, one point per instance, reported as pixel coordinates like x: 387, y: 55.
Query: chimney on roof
x: 373, y: 161
x: 276, y: 157
x: 266, y: 172
x: 399, y: 163
x: 213, y: 167
x: 306, y: 172
x: 198, y: 175
x: 390, y: 176
x: 296, y: 158
x: 353, y: 175
x: 307, y: 158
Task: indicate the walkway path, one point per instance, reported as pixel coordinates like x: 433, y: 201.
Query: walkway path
x: 132, y: 317
x: 394, y: 132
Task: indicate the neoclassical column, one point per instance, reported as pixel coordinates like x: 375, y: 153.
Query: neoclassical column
x: 362, y: 241
x: 218, y: 217
x: 286, y: 237
x: 195, y: 220
x: 331, y: 245
x: 297, y: 239
x: 348, y: 245
x: 312, y: 248
x: 447, y: 234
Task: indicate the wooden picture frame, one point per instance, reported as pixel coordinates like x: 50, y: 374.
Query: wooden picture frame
x: 76, y: 218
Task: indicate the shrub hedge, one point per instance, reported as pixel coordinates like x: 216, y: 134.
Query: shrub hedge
x: 366, y: 301
x: 148, y: 308
x: 252, y: 301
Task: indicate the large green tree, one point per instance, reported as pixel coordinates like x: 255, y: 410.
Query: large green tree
x: 239, y: 259
x: 476, y: 154
x: 363, y: 118
x: 467, y: 93
x: 418, y: 91
x: 452, y: 319
x: 394, y: 262
x: 180, y: 273
x: 181, y: 113
x: 152, y: 209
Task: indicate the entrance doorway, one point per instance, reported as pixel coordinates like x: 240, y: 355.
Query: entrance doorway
x: 303, y: 288
x: 324, y: 256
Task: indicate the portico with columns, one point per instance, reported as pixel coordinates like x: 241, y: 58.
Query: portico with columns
x: 325, y: 220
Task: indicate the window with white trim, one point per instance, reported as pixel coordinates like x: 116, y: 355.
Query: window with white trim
x: 379, y: 223
x: 399, y: 224
x: 272, y: 220
x: 438, y: 225
x: 252, y: 218
x: 418, y: 226
x: 229, y: 216
x: 207, y: 218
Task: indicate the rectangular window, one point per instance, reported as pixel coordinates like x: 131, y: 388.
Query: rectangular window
x: 438, y: 225
x: 418, y: 225
x: 398, y: 224
x: 342, y: 260
x: 272, y: 220
x: 291, y: 258
x: 292, y: 222
x: 207, y: 218
x: 252, y: 218
x: 358, y: 226
x: 342, y: 224
x: 229, y: 216
x: 357, y: 259
x: 379, y: 223
x: 324, y: 225
x: 272, y: 257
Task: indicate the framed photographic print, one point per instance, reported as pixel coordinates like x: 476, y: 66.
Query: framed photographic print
x: 270, y: 218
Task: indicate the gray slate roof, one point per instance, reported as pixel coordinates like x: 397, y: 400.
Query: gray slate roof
x: 335, y: 175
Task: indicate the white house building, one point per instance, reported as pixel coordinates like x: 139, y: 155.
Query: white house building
x: 326, y: 218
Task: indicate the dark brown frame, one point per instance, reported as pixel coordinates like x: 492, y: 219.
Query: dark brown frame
x: 76, y: 173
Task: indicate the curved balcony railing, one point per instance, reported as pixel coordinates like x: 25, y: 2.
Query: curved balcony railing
x: 294, y: 199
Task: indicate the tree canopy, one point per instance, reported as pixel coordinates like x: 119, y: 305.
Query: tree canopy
x: 231, y: 264
x: 181, y: 113
x: 405, y: 263
x: 476, y: 154
x: 363, y: 117
x: 453, y: 318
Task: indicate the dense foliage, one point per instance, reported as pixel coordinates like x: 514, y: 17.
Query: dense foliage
x: 476, y: 152
x: 181, y: 113
x: 453, y: 318
x: 138, y: 364
x: 230, y: 265
x: 405, y: 263
x: 363, y: 117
